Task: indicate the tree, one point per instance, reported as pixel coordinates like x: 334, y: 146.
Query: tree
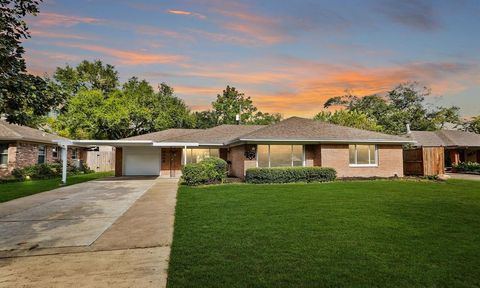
x: 226, y: 107
x: 205, y: 119
x: 132, y: 110
x: 402, y: 105
x: 23, y: 97
x: 472, y: 125
x: 348, y: 118
x: 86, y: 75
x: 231, y: 103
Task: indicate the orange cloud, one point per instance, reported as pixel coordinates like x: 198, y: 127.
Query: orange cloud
x: 45, y: 19
x: 58, y: 35
x: 129, y: 57
x: 294, y: 87
x: 187, y: 13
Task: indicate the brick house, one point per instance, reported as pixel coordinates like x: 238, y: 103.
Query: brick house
x: 292, y: 142
x: 437, y: 151
x: 22, y: 146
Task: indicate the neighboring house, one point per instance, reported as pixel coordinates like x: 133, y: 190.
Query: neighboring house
x: 435, y: 151
x: 22, y: 146
x: 291, y: 142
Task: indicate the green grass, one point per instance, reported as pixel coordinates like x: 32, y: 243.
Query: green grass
x: 340, y: 234
x: 10, y: 191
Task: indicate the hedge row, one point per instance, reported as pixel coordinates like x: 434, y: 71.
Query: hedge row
x: 467, y: 167
x: 290, y: 175
x: 210, y: 170
x: 48, y: 170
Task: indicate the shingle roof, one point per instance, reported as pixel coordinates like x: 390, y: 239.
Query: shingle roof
x: 446, y: 138
x: 296, y: 128
x: 17, y: 132
x: 222, y: 134
x: 164, y: 134
x: 426, y: 138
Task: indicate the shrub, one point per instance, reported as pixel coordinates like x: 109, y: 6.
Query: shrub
x: 216, y: 168
x: 210, y: 170
x: 290, y: 174
x: 467, y: 167
x: 194, y: 174
x: 38, y: 171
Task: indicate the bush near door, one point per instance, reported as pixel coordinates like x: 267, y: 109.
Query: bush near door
x: 290, y: 175
x: 208, y: 171
x: 467, y: 167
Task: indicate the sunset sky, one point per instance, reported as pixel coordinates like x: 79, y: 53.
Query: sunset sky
x: 289, y: 56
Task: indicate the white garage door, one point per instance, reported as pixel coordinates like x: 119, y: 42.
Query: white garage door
x: 141, y: 161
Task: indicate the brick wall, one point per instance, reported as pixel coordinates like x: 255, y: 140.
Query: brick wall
x: 390, y: 161
x: 237, y: 157
x: 240, y: 163
x: 22, y: 154
x: 313, y: 155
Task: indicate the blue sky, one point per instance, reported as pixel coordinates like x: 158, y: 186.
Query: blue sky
x: 289, y: 56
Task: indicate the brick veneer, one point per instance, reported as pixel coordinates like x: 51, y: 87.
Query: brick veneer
x: 313, y: 155
x: 390, y: 161
x: 22, y: 154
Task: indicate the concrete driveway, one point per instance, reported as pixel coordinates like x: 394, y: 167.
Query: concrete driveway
x: 105, y: 233
x: 76, y: 216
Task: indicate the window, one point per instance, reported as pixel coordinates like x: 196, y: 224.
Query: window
x: 197, y: 155
x: 3, y: 154
x: 41, y: 154
x: 279, y: 155
x: 74, y: 153
x: 55, y: 152
x: 363, y: 155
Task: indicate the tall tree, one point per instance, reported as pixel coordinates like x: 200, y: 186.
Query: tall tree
x: 86, y: 75
x: 228, y: 105
x: 405, y: 104
x: 23, y: 97
x: 472, y: 125
x: 348, y: 118
x: 132, y: 110
x: 205, y: 119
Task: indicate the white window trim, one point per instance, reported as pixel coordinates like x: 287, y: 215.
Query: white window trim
x: 44, y: 154
x: 291, y: 156
x: 5, y: 165
x: 356, y: 154
x: 74, y: 153
x: 56, y: 150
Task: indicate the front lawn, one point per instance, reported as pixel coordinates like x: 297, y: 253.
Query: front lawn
x: 10, y: 191
x: 340, y: 234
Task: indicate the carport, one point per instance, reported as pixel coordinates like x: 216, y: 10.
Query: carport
x: 137, y: 157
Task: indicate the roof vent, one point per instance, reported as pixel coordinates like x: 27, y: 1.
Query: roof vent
x: 408, y: 129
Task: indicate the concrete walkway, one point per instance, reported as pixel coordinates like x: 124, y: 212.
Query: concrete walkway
x: 464, y: 176
x: 132, y: 252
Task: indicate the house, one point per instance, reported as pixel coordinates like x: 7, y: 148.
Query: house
x: 292, y: 142
x: 435, y: 151
x: 22, y: 146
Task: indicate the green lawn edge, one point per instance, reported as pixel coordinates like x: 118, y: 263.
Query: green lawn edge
x: 11, y: 191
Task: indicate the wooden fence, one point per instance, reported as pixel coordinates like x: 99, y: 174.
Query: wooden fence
x: 101, y: 161
x: 425, y: 161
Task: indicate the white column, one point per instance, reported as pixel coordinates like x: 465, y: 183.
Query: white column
x: 185, y: 155
x: 64, y: 163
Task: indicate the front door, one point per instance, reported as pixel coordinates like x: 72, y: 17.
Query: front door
x: 171, y: 162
